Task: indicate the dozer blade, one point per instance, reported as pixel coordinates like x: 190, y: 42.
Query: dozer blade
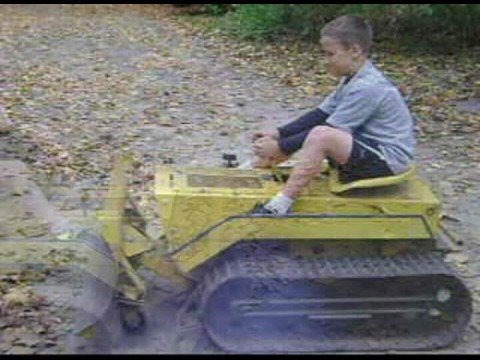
x: 87, y: 271
x: 81, y: 270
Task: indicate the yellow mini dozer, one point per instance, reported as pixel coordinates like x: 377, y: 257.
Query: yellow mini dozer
x: 353, y: 267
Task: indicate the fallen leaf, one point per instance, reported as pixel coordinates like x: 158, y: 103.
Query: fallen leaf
x: 17, y: 297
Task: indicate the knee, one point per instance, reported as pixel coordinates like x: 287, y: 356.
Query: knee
x: 321, y: 135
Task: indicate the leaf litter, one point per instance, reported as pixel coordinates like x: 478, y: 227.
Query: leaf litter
x: 81, y: 82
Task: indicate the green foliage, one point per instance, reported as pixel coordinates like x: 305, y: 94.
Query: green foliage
x: 460, y: 20
x: 217, y: 9
x: 450, y: 25
x: 251, y: 21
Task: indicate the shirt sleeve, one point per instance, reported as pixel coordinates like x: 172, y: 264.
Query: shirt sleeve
x: 329, y: 105
x: 308, y: 121
x: 291, y: 144
x: 357, y: 106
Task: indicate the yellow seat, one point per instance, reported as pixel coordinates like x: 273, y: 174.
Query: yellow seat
x: 336, y: 187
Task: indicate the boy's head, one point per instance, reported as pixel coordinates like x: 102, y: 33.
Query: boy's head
x: 346, y: 42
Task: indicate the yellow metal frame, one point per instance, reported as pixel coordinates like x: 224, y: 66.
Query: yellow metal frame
x: 114, y: 231
x: 201, y: 221
x: 205, y: 211
x: 297, y: 228
x: 126, y: 241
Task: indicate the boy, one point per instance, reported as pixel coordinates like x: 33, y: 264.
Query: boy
x: 364, y: 127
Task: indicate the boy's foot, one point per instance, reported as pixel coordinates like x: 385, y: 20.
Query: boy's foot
x: 280, y: 205
x: 260, y: 209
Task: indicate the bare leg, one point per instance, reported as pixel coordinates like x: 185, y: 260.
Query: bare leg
x: 322, y: 141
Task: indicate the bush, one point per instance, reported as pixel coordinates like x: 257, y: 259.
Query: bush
x: 425, y: 24
x: 217, y: 9
x: 253, y: 21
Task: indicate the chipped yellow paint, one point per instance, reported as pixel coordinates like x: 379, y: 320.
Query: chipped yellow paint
x: 126, y: 241
x: 135, y: 242
x: 123, y: 240
x: 298, y: 229
x: 189, y: 207
x: 111, y: 217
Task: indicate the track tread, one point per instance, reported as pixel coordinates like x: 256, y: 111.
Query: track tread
x: 278, y: 266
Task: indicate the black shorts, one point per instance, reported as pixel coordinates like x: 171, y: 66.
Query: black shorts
x: 365, y: 162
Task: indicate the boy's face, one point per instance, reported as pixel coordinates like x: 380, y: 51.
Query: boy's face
x: 340, y: 60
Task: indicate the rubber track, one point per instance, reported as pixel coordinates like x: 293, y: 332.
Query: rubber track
x: 274, y: 266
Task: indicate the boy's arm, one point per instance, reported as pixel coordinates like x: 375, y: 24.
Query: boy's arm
x: 291, y: 144
x: 306, y: 122
x: 314, y: 118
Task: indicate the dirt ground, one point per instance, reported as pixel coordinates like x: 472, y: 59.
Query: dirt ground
x: 82, y: 82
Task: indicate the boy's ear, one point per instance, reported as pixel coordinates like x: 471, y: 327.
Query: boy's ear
x: 355, y: 50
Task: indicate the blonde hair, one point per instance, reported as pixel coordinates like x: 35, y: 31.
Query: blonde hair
x: 349, y: 30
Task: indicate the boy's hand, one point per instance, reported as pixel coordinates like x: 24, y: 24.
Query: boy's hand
x: 267, y: 148
x: 274, y: 134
